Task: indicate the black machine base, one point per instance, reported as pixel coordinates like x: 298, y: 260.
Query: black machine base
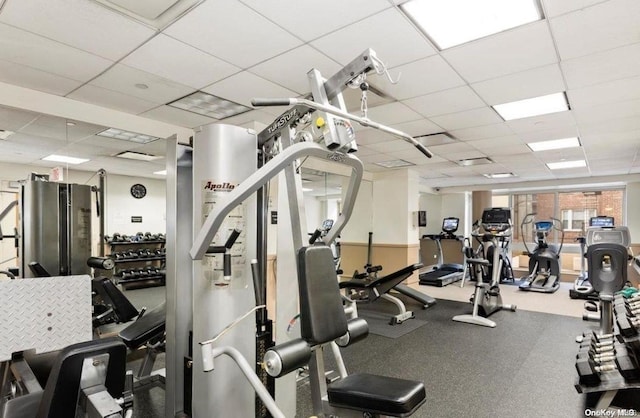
x: 440, y: 277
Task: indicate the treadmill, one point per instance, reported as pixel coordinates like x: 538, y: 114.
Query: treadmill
x: 442, y: 273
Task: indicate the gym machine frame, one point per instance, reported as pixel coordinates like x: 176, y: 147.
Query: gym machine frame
x: 279, y: 152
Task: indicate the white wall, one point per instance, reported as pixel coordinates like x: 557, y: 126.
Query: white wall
x: 633, y: 211
x: 314, y: 209
x: 432, y: 203
x: 453, y: 205
x: 361, y: 221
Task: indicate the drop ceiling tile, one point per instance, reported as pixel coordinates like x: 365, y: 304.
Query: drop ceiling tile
x: 13, y: 119
x: 332, y: 15
x: 418, y: 127
x: 612, y: 127
x: 503, y: 53
x: 122, y: 79
x: 482, y: 132
x: 600, y: 113
x: 362, y: 151
x: 420, y: 77
x: 467, y: 154
x: 257, y: 116
x: 467, y: 119
x: 414, y: 156
x: 111, y: 99
x: 34, y: 51
x: 522, y: 85
x: 556, y: 120
x: 157, y: 148
x: 395, y: 145
x: 178, y: 117
x: 179, y: 62
x: 598, y: 28
x: 376, y: 158
x: 609, y: 92
x: 602, y: 67
x: 399, y: 42
x: 31, y: 78
x: 34, y: 144
x: 393, y: 113
x: 500, y: 146
x: 453, y: 100
x: 568, y: 154
x: 558, y: 7
x: 244, y: 86
x: 571, y: 173
x: 446, y: 149
x: 244, y: 37
x: 82, y: 24
x: 290, y: 69
x: 56, y: 128
x: 559, y: 132
x: 371, y: 136
x: 372, y: 168
x: 113, y: 146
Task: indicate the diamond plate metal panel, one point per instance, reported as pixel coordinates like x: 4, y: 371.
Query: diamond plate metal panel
x: 44, y: 314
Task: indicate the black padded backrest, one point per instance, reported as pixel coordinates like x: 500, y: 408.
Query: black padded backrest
x: 61, y: 392
x: 607, y: 267
x: 112, y: 296
x: 149, y: 327
x: 37, y: 270
x: 322, y: 317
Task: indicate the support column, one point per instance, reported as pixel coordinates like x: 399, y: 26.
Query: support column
x: 480, y: 200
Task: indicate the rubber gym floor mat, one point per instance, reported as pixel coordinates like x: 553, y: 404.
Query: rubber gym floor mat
x: 379, y: 324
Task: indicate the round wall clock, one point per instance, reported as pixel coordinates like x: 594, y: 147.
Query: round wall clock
x: 138, y: 191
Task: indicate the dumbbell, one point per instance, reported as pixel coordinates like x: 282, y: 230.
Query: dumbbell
x: 631, y: 306
x: 127, y: 274
x: 627, y: 363
x: 144, y: 253
x: 161, y: 237
x: 589, y: 370
x: 117, y: 255
x: 159, y: 252
x: 628, y: 326
x: 117, y: 237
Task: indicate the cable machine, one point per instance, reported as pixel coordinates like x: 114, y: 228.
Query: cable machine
x: 216, y: 207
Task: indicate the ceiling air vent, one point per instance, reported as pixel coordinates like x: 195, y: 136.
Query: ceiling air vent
x: 475, y: 161
x: 156, y: 13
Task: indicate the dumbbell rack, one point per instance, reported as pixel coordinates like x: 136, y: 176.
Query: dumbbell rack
x: 123, y: 265
x: 612, y: 381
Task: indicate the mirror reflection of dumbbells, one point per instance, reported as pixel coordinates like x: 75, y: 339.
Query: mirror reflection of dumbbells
x: 599, y: 354
x: 141, y: 273
x: 138, y: 237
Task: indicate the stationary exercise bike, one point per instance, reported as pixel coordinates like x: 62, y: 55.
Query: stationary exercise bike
x: 544, y: 260
x: 322, y: 232
x: 496, y: 226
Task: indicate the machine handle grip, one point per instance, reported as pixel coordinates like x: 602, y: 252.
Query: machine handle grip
x: 226, y: 265
x: 270, y: 102
x: 314, y: 237
x: 232, y: 239
x: 374, y: 269
x: 423, y: 150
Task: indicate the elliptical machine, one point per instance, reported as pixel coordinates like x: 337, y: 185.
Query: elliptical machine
x: 544, y: 260
x: 582, y: 288
x: 322, y: 232
x: 496, y: 226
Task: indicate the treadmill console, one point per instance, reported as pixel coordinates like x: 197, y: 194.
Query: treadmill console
x: 602, y: 221
x: 543, y: 226
x: 327, y: 224
x: 450, y: 225
x: 496, y: 220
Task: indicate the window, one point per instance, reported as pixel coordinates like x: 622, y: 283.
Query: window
x: 577, y: 219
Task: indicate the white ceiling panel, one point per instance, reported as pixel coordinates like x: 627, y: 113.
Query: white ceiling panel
x: 445, y: 150
x: 61, y: 128
x: 233, y: 32
x: 123, y: 79
x: 482, y: 132
x: 333, y: 14
x: 13, y: 119
x: 244, y: 86
x: 414, y: 156
x: 393, y: 113
x: 36, y: 145
x: 607, y: 111
x: 112, y: 145
x: 447, y: 101
x: 560, y: 132
x: 421, y: 77
x: 178, y: 117
x: 111, y: 99
x: 568, y: 154
x: 418, y: 127
x: 31, y: 78
x: 609, y: 92
x: 500, y: 146
x: 80, y: 23
x: 611, y: 127
x: 179, y: 62
x: 290, y: 69
x: 503, y: 53
x: 549, y: 121
x: 395, y: 145
x: 399, y: 42
x: 602, y: 67
x: 158, y: 148
x: 34, y: 51
x: 467, y: 119
x: 606, y: 139
x: 371, y: 136
x: 558, y: 7
x: 603, y: 26
x: 523, y: 85
x: 468, y: 153
x: 376, y: 158
x: 362, y: 151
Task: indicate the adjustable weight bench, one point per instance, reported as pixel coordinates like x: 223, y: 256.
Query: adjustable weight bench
x: 369, y: 290
x: 323, y: 323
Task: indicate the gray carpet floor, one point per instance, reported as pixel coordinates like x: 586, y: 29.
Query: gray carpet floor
x: 522, y: 368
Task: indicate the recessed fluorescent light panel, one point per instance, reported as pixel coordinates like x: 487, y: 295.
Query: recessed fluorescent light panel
x: 499, y: 175
x: 394, y: 164
x: 554, y: 144
x: 140, y: 156
x: 209, y: 105
x: 542, y: 105
x: 161, y: 172
x: 453, y: 22
x: 475, y: 161
x: 567, y: 164
x: 127, y: 136
x: 65, y: 159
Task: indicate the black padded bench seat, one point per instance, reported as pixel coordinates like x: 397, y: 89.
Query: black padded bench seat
x: 377, y: 394
x: 150, y: 325
x: 382, y: 284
